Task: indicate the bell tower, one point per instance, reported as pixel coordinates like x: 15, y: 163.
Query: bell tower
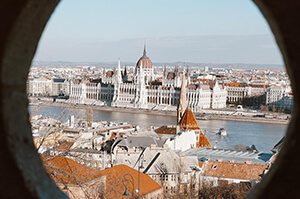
x: 182, y: 105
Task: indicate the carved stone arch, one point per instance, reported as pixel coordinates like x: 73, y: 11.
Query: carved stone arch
x: 21, y: 171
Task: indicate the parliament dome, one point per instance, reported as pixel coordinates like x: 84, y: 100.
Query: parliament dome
x: 144, y: 60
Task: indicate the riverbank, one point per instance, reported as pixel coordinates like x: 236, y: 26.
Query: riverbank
x: 168, y: 113
x: 251, y: 119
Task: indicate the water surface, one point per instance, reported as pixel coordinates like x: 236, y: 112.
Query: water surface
x: 263, y: 135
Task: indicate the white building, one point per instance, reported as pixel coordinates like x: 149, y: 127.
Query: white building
x: 60, y: 87
x: 144, y: 92
x: 41, y: 86
x: 279, y: 97
x: 84, y: 91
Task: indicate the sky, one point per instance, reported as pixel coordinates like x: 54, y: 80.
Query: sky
x: 200, y: 31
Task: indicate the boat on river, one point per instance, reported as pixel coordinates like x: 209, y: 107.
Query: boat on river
x: 222, y: 132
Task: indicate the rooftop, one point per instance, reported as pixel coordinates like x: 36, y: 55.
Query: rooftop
x: 166, y: 130
x: 252, y: 171
x: 115, y: 187
x: 64, y: 146
x: 227, y: 154
x: 188, y: 121
x: 68, y: 172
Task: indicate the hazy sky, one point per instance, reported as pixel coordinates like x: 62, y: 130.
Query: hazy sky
x: 204, y: 31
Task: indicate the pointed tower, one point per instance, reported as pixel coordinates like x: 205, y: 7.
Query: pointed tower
x: 141, y: 95
x: 187, y: 72
x: 182, y: 105
x: 165, y: 71
x: 176, y: 71
x: 125, y: 77
x: 119, y: 75
x: 104, y: 72
x: 188, y: 122
x: 144, y: 53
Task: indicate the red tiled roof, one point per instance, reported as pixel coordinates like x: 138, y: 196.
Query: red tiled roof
x: 115, y: 187
x: 203, y: 141
x: 188, y: 121
x: 234, y: 170
x: 165, y: 130
x: 66, y: 171
x: 233, y: 84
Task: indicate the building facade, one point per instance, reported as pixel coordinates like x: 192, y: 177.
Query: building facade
x: 41, y: 86
x: 246, y: 94
x: 144, y: 92
x: 279, y: 97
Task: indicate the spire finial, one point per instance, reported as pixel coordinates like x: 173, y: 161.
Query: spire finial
x: 144, y: 49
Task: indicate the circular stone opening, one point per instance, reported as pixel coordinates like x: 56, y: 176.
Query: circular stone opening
x: 22, y: 173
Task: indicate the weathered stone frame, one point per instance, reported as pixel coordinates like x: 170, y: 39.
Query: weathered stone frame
x: 21, y: 172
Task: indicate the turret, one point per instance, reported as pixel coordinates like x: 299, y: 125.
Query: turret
x: 125, y: 77
x: 187, y: 72
x: 165, y: 71
x: 176, y: 71
x: 119, y: 76
x: 182, y: 105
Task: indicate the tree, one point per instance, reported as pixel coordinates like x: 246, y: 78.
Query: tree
x: 221, y: 191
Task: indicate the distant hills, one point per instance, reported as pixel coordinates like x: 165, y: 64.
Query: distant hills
x: 190, y: 64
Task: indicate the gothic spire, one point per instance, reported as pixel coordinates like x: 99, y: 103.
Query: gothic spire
x: 182, y: 105
x: 119, y: 76
x: 144, y: 54
x: 125, y: 71
x: 187, y: 71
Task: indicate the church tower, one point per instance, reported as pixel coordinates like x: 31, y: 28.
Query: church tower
x: 182, y: 105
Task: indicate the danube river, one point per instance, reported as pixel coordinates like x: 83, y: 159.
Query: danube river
x: 263, y: 135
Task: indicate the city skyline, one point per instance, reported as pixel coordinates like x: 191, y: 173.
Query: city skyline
x: 194, y: 31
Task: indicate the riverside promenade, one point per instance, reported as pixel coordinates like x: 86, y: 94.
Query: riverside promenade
x: 225, y: 115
